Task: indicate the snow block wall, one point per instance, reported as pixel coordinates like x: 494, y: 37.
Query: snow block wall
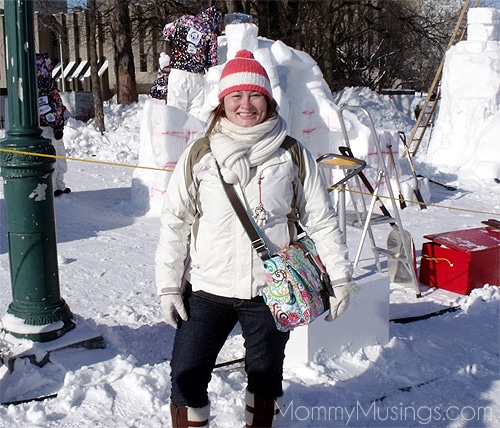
x: 165, y: 133
x: 303, y: 97
x: 465, y: 137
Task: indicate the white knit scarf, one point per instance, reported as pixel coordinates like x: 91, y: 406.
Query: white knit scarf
x: 237, y: 149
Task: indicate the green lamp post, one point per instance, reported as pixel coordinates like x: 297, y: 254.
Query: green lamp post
x: 37, y: 311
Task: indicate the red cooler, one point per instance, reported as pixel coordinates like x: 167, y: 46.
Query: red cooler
x: 461, y: 260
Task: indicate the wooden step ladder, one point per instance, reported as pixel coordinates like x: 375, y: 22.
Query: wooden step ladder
x: 428, y: 109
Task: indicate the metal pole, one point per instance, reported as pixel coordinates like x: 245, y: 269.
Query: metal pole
x: 37, y: 311
x: 63, y: 83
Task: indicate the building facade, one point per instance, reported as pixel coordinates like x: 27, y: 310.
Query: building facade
x: 65, y: 37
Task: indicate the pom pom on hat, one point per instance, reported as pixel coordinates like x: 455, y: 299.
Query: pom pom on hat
x: 244, y: 73
x: 164, y: 60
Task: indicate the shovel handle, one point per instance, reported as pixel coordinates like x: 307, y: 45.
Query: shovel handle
x: 402, y: 202
x: 419, y: 196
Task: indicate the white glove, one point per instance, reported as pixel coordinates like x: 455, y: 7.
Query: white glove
x: 340, y: 302
x: 173, y: 309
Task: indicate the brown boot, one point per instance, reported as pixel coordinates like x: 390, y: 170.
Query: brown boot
x: 260, y: 411
x: 189, y: 417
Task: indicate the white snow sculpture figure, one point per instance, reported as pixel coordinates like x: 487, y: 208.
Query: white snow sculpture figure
x: 165, y: 133
x: 470, y: 90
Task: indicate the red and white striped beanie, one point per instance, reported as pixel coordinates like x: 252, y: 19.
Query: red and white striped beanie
x: 244, y: 73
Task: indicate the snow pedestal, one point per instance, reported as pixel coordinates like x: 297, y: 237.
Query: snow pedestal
x: 365, y: 323
x: 241, y: 36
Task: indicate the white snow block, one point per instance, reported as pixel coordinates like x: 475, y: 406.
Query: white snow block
x: 483, y: 24
x: 241, y: 36
x: 165, y: 132
x: 282, y: 53
x: 365, y: 323
x: 265, y: 58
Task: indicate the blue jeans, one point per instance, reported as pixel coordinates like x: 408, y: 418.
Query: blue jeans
x: 199, y: 341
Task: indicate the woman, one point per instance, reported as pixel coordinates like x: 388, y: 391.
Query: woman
x: 246, y: 137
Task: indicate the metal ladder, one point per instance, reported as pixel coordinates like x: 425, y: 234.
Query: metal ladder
x: 364, y: 217
x: 428, y: 109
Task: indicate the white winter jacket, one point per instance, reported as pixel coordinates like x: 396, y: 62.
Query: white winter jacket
x: 198, y: 217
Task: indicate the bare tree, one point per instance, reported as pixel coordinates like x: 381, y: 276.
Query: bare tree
x: 94, y: 77
x: 374, y: 43
x: 120, y: 26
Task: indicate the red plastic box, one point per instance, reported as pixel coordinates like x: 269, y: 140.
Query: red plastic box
x: 462, y: 260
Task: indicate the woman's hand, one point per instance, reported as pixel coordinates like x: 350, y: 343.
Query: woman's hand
x: 340, y: 302
x: 173, y: 309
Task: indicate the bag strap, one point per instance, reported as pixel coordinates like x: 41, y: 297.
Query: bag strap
x: 251, y: 229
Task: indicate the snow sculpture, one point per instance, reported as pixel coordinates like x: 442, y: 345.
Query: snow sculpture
x: 165, y: 133
x: 465, y: 137
x: 303, y: 97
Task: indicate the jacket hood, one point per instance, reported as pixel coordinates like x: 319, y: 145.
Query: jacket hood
x: 212, y: 16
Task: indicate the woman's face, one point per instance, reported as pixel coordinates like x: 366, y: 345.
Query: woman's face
x: 245, y: 108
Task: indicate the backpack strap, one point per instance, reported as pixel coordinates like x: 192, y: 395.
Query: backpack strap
x: 200, y: 148
x: 292, y: 146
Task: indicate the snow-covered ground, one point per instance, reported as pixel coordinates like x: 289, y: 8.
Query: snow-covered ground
x: 439, y: 372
